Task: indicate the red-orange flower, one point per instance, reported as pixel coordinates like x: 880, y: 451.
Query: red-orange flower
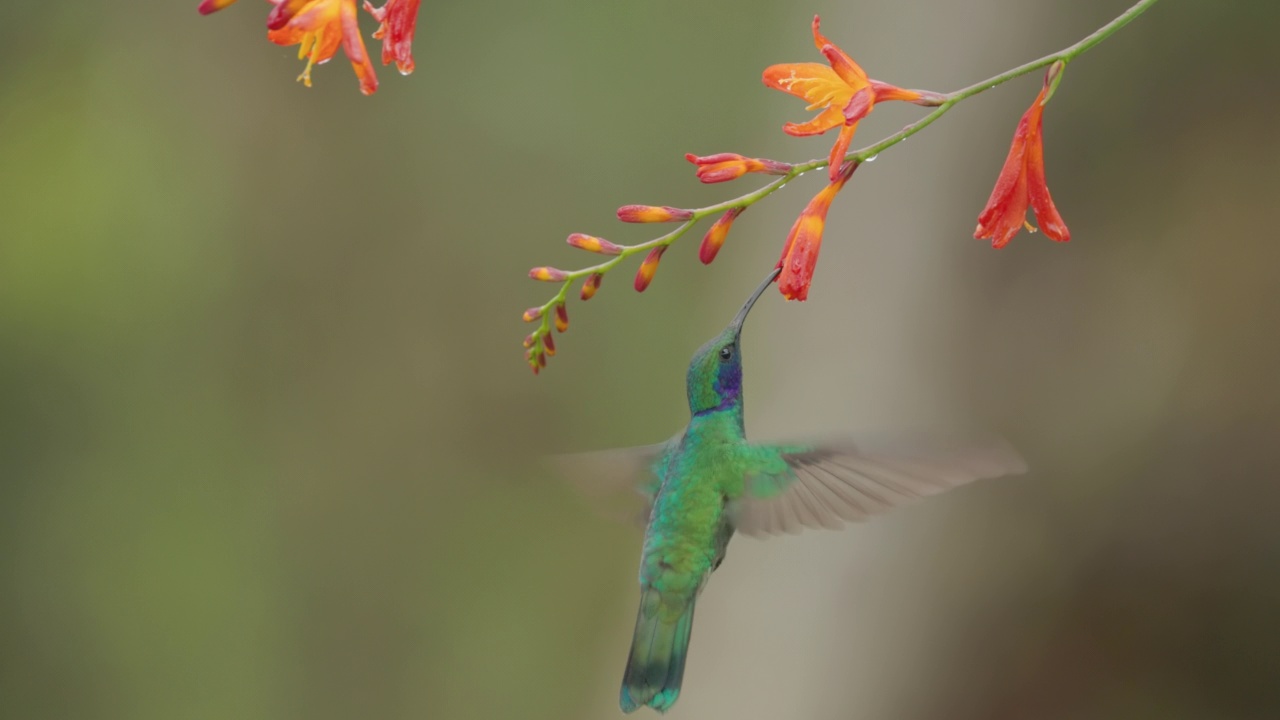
x: 319, y: 27
x: 800, y: 253
x: 1021, y: 185
x: 398, y: 18
x: 843, y: 92
x: 723, y: 167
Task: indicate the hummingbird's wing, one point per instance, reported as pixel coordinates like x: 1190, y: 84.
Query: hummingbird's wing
x: 619, y: 483
x: 824, y: 486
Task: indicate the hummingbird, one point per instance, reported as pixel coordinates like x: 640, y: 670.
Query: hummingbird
x: 709, y: 482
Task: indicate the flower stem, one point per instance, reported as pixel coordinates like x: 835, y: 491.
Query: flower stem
x: 1065, y: 55
x: 949, y: 100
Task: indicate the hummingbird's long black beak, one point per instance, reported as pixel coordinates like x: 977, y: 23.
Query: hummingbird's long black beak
x: 741, y: 317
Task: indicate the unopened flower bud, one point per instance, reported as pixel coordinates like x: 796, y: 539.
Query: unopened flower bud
x: 549, y: 344
x: 591, y: 285
x: 652, y: 214
x: 715, y: 237
x: 529, y: 340
x: 548, y: 274
x: 594, y: 244
x: 532, y: 314
x: 562, y: 318
x: 644, y: 275
x: 723, y: 167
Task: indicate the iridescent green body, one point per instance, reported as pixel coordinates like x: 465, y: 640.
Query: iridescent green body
x: 699, y: 473
x: 709, y: 482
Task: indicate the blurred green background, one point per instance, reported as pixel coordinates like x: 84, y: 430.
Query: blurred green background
x: 268, y: 448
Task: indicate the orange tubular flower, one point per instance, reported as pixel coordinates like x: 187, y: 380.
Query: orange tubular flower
x: 723, y: 167
x: 317, y: 27
x: 800, y: 253
x: 843, y: 91
x: 1021, y: 185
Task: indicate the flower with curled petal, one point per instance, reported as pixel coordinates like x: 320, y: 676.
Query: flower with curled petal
x: 843, y: 92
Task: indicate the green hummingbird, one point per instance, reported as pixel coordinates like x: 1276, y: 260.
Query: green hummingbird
x: 708, y: 482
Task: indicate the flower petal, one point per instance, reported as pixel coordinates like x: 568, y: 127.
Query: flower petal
x: 859, y: 106
x: 398, y: 19
x: 1003, y: 195
x: 353, y: 45
x: 286, y: 10
x: 848, y: 69
x: 1047, y: 216
x: 845, y: 67
x: 817, y: 84
x: 824, y: 121
x: 839, y: 150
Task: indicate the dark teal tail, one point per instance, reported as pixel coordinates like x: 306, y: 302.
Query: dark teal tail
x: 655, y: 667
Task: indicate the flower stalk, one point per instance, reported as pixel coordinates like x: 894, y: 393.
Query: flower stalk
x: 852, y: 101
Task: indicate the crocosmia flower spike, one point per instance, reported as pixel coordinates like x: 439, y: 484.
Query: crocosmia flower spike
x: 842, y: 91
x: 1022, y: 184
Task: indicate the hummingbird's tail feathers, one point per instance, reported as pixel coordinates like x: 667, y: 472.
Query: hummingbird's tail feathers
x: 825, y: 486
x: 655, y: 667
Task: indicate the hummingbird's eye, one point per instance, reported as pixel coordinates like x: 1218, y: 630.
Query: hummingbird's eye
x: 726, y: 352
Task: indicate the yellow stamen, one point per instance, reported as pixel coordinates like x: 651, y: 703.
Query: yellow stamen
x: 308, y: 48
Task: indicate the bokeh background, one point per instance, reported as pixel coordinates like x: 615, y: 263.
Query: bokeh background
x: 268, y: 448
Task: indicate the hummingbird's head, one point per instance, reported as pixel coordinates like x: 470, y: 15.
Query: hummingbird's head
x: 715, y: 373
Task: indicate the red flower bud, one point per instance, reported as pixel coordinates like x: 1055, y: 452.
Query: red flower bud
x: 548, y: 274
x: 532, y: 314
x: 548, y: 344
x: 731, y: 166
x: 644, y: 275
x: 562, y: 318
x: 591, y: 285
x: 210, y: 6
x: 652, y: 214
x: 529, y: 340
x: 594, y: 244
x: 715, y: 237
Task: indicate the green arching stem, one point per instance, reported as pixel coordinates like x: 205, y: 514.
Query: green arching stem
x: 948, y: 101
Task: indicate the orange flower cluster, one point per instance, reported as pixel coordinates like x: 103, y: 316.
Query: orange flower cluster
x: 319, y: 27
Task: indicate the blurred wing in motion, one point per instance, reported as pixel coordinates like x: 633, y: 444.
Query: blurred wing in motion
x: 824, y: 486
x: 619, y: 484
